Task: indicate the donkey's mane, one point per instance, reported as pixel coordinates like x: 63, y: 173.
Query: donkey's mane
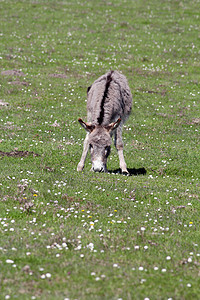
x: 108, y: 81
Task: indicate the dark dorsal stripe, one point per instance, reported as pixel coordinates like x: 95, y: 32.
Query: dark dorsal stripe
x: 108, y: 81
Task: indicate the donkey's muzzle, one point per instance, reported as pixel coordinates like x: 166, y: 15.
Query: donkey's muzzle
x: 98, y: 167
x: 100, y: 170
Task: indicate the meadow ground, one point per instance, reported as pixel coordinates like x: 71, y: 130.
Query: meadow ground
x: 69, y: 235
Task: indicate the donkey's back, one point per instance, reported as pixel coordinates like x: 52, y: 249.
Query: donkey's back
x: 109, y: 98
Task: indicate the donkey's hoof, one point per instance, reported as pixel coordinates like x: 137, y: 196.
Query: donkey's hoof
x: 80, y: 167
x: 125, y: 171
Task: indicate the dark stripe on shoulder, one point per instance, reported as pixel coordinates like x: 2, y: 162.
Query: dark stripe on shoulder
x: 108, y: 81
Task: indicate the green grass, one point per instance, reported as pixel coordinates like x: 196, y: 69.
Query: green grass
x: 99, y: 236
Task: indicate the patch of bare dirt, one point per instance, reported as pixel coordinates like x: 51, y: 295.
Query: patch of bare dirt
x: 17, y: 153
x: 12, y: 73
x: 17, y: 82
x: 58, y: 75
x: 164, y: 115
x: 162, y: 92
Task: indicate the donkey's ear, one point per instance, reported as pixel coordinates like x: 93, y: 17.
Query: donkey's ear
x: 86, y: 126
x: 88, y: 89
x: 113, y: 126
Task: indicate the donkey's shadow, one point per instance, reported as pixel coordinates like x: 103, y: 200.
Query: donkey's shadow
x: 132, y: 171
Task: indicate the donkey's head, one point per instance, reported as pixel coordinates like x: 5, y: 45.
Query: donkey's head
x: 99, y: 140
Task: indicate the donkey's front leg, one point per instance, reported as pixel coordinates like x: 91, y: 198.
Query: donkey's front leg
x: 119, y: 146
x: 122, y: 162
x: 84, y: 154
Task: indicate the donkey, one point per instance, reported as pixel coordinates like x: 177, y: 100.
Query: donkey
x: 109, y: 103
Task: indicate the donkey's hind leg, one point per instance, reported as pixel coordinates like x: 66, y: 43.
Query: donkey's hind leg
x: 84, y: 154
x: 119, y: 146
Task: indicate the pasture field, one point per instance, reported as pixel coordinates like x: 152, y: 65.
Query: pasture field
x: 70, y: 235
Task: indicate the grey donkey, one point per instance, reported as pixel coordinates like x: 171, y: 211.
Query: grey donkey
x: 109, y: 103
